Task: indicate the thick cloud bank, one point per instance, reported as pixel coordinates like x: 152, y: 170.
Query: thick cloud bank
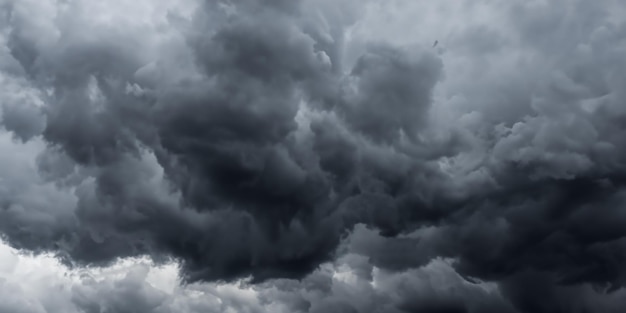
x: 263, y: 139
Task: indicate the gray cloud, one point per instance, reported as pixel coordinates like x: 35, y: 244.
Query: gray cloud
x: 225, y: 134
x: 248, y: 139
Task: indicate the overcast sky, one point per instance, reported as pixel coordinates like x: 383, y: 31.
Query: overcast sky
x: 312, y: 156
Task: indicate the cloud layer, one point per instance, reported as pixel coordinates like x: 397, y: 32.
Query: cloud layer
x: 262, y: 139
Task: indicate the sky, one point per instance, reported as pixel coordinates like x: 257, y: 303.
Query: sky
x: 399, y: 156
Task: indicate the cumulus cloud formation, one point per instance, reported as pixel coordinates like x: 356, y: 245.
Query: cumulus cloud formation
x: 323, y: 152
x: 42, y: 285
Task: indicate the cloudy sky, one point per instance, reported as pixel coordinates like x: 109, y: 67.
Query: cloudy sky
x: 450, y: 156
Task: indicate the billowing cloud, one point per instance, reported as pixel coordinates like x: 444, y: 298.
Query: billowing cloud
x: 261, y: 139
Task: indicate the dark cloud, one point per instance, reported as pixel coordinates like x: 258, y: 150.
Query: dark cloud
x: 247, y: 140
x: 253, y: 191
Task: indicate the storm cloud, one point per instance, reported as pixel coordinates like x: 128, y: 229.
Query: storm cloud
x: 267, y: 140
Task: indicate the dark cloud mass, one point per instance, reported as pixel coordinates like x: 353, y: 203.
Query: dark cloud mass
x: 264, y: 138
